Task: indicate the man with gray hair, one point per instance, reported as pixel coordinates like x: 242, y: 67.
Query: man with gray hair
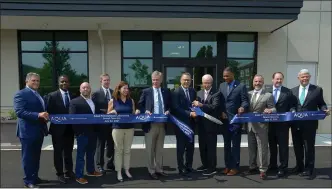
x: 309, y: 97
x: 208, y: 99
x: 30, y: 109
x: 155, y: 100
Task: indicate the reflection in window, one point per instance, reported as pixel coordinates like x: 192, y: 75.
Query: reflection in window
x: 137, y: 49
x: 203, y: 45
x: 173, y: 76
x: 137, y: 72
x: 70, y: 58
x: 175, y: 45
x: 240, y: 67
x: 240, y: 46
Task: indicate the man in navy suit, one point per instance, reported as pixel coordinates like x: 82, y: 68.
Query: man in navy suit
x: 155, y: 100
x: 236, y: 98
x: 57, y: 102
x: 182, y: 99
x: 30, y: 109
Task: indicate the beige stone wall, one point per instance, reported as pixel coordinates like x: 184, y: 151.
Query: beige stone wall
x: 307, y: 39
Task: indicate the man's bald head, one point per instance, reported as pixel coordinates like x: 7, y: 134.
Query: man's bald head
x: 207, y: 81
x: 85, y: 89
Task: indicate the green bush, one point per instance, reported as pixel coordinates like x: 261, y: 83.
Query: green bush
x: 12, y: 115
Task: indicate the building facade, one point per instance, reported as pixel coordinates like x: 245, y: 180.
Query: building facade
x: 130, y: 39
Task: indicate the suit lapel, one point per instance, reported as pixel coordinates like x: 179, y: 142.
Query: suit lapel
x: 86, y: 104
x: 310, y: 90
x: 259, y: 98
x: 282, y: 94
x: 39, y: 100
x: 234, y: 86
x: 60, y: 98
x: 209, y: 95
x: 102, y: 93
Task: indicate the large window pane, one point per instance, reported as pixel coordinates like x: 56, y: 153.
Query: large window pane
x: 35, y: 45
x: 137, y: 48
x: 173, y: 76
x: 175, y: 45
x: 72, y: 45
x: 75, y: 66
x: 137, y: 72
x: 240, y: 46
x: 42, y: 64
x: 203, y: 45
x: 243, y: 70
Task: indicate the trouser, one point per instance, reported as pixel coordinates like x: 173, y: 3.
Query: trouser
x: 63, y: 144
x: 184, y: 147
x: 154, y: 142
x: 86, y: 146
x: 232, y: 142
x: 105, y: 138
x: 207, y: 146
x: 258, y: 142
x: 304, y: 146
x: 123, y: 139
x: 31, y: 150
x: 279, y: 136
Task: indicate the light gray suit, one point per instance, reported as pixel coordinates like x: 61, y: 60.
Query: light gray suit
x: 258, y: 132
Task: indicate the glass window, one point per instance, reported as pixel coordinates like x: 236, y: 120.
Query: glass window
x: 137, y: 72
x: 240, y: 45
x: 175, y: 45
x: 173, y: 76
x: 203, y: 45
x: 137, y: 49
x: 243, y: 69
x: 70, y: 58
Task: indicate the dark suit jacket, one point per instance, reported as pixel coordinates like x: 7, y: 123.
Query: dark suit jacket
x: 80, y: 106
x: 213, y: 106
x: 55, y: 105
x: 238, y: 97
x: 313, y: 101
x: 285, y: 101
x: 146, y: 102
x: 27, y: 106
x: 100, y: 100
x: 181, y: 106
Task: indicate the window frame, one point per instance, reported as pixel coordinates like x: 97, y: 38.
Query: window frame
x: 54, y: 52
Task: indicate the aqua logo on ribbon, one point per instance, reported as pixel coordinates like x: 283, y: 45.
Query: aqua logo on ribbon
x: 301, y: 115
x: 58, y: 119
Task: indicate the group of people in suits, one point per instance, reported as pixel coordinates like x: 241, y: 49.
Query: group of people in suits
x: 230, y: 99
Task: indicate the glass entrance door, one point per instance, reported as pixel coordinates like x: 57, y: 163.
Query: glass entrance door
x: 172, y: 75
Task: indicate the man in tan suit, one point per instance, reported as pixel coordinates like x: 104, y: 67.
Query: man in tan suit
x: 260, y: 102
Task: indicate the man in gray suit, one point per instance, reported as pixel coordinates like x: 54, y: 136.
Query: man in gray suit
x: 260, y: 102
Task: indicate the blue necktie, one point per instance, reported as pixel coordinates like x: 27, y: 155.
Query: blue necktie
x: 66, y: 99
x: 275, y: 95
x: 302, y: 97
x: 40, y: 98
x: 187, y: 94
x: 160, y: 104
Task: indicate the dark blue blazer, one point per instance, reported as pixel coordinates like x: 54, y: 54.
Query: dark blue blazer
x: 238, y: 97
x: 27, y: 106
x: 181, y: 106
x: 146, y: 102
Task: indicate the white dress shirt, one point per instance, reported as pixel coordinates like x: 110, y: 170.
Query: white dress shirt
x: 306, y: 91
x: 257, y: 96
x: 206, y: 93
x: 156, y: 103
x: 107, y: 91
x: 278, y: 92
x: 64, y: 96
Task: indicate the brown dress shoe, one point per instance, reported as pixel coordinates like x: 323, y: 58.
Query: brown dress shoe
x: 225, y: 171
x: 232, y: 172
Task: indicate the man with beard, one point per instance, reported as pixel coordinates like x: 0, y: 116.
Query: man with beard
x: 279, y: 131
x: 86, y: 135
x: 101, y: 99
x: 57, y: 102
x: 260, y: 102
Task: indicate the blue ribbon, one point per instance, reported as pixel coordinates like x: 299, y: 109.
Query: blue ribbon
x: 278, y: 117
x: 121, y: 118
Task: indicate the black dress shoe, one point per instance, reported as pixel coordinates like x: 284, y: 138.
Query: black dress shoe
x: 70, y: 175
x: 305, y: 173
x: 190, y: 170
x: 41, y: 181
x: 62, y: 179
x: 281, y: 173
x: 183, y: 172
x: 296, y: 170
x: 101, y: 170
x: 201, y: 168
x: 154, y: 176
x: 252, y: 171
x: 30, y: 186
x: 209, y: 172
x: 162, y: 174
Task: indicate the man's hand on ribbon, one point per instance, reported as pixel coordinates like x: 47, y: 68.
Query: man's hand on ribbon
x: 193, y: 114
x: 113, y: 112
x: 44, y: 116
x: 167, y: 112
x: 148, y: 112
x: 327, y: 112
x: 240, y: 110
x: 197, y: 104
x: 267, y: 111
x: 223, y: 115
x: 137, y: 112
